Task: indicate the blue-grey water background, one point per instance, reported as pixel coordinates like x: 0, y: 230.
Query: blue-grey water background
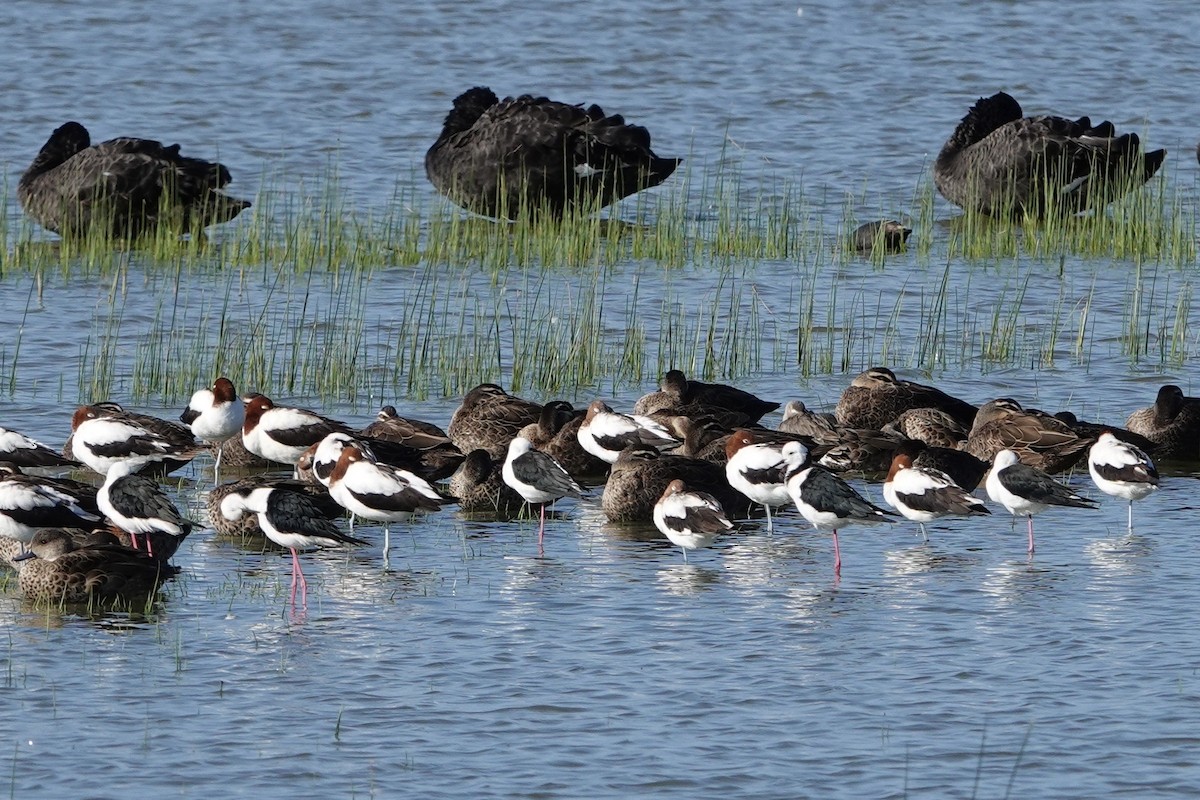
x: 474, y: 668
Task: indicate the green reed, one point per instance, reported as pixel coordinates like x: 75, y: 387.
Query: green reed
x: 554, y: 305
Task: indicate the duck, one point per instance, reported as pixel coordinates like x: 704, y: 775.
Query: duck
x: 55, y: 569
x: 1001, y: 163
x: 418, y: 434
x: 703, y: 437
x: 533, y: 155
x: 825, y: 500
x: 932, y: 426
x: 490, y: 418
x: 1040, y: 440
x: 689, y: 519
x: 1172, y: 424
x: 876, y: 397
x: 640, y: 475
x: 122, y: 187
x: 556, y: 433
x: 1120, y: 469
x: 479, y: 487
x: 800, y: 420
x: 923, y: 494
x: 1024, y: 490
x: 680, y: 395
x: 885, y: 236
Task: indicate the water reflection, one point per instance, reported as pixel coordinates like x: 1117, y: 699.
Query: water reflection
x: 1119, y: 555
x: 685, y: 580
x: 925, y: 558
x: 1013, y: 582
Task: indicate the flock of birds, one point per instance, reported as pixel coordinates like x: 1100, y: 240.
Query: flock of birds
x: 690, y: 457
x: 505, y: 158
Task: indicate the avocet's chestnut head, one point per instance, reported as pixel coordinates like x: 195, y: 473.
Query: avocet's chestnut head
x: 223, y: 390
x: 899, y: 461
x: 596, y: 407
x: 82, y: 415
x: 737, y: 440
x: 351, y: 454
x: 256, y: 406
x: 674, y: 487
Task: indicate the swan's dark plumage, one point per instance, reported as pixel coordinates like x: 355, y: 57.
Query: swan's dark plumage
x: 502, y: 157
x: 999, y: 162
x: 121, y: 187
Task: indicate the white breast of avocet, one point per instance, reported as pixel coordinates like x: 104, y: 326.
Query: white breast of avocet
x: 917, y: 482
x: 215, y: 420
x: 1120, y: 469
x: 364, y: 481
x: 756, y: 470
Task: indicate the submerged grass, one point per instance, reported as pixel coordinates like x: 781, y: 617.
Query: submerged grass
x: 718, y: 275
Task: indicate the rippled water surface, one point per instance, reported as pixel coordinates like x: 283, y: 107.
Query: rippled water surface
x: 608, y: 667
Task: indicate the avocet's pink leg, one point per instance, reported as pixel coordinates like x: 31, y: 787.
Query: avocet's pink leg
x: 837, y: 556
x: 295, y: 566
x: 303, y: 582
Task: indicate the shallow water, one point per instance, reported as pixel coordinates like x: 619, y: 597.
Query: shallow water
x: 609, y: 668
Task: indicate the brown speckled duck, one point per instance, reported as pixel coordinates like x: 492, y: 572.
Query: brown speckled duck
x: 641, y: 474
x: 1039, y: 440
x: 1172, y: 424
x: 680, y: 395
x: 556, y: 433
x: 490, y: 418
x: 877, y: 397
x: 480, y: 488
x: 57, y: 570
